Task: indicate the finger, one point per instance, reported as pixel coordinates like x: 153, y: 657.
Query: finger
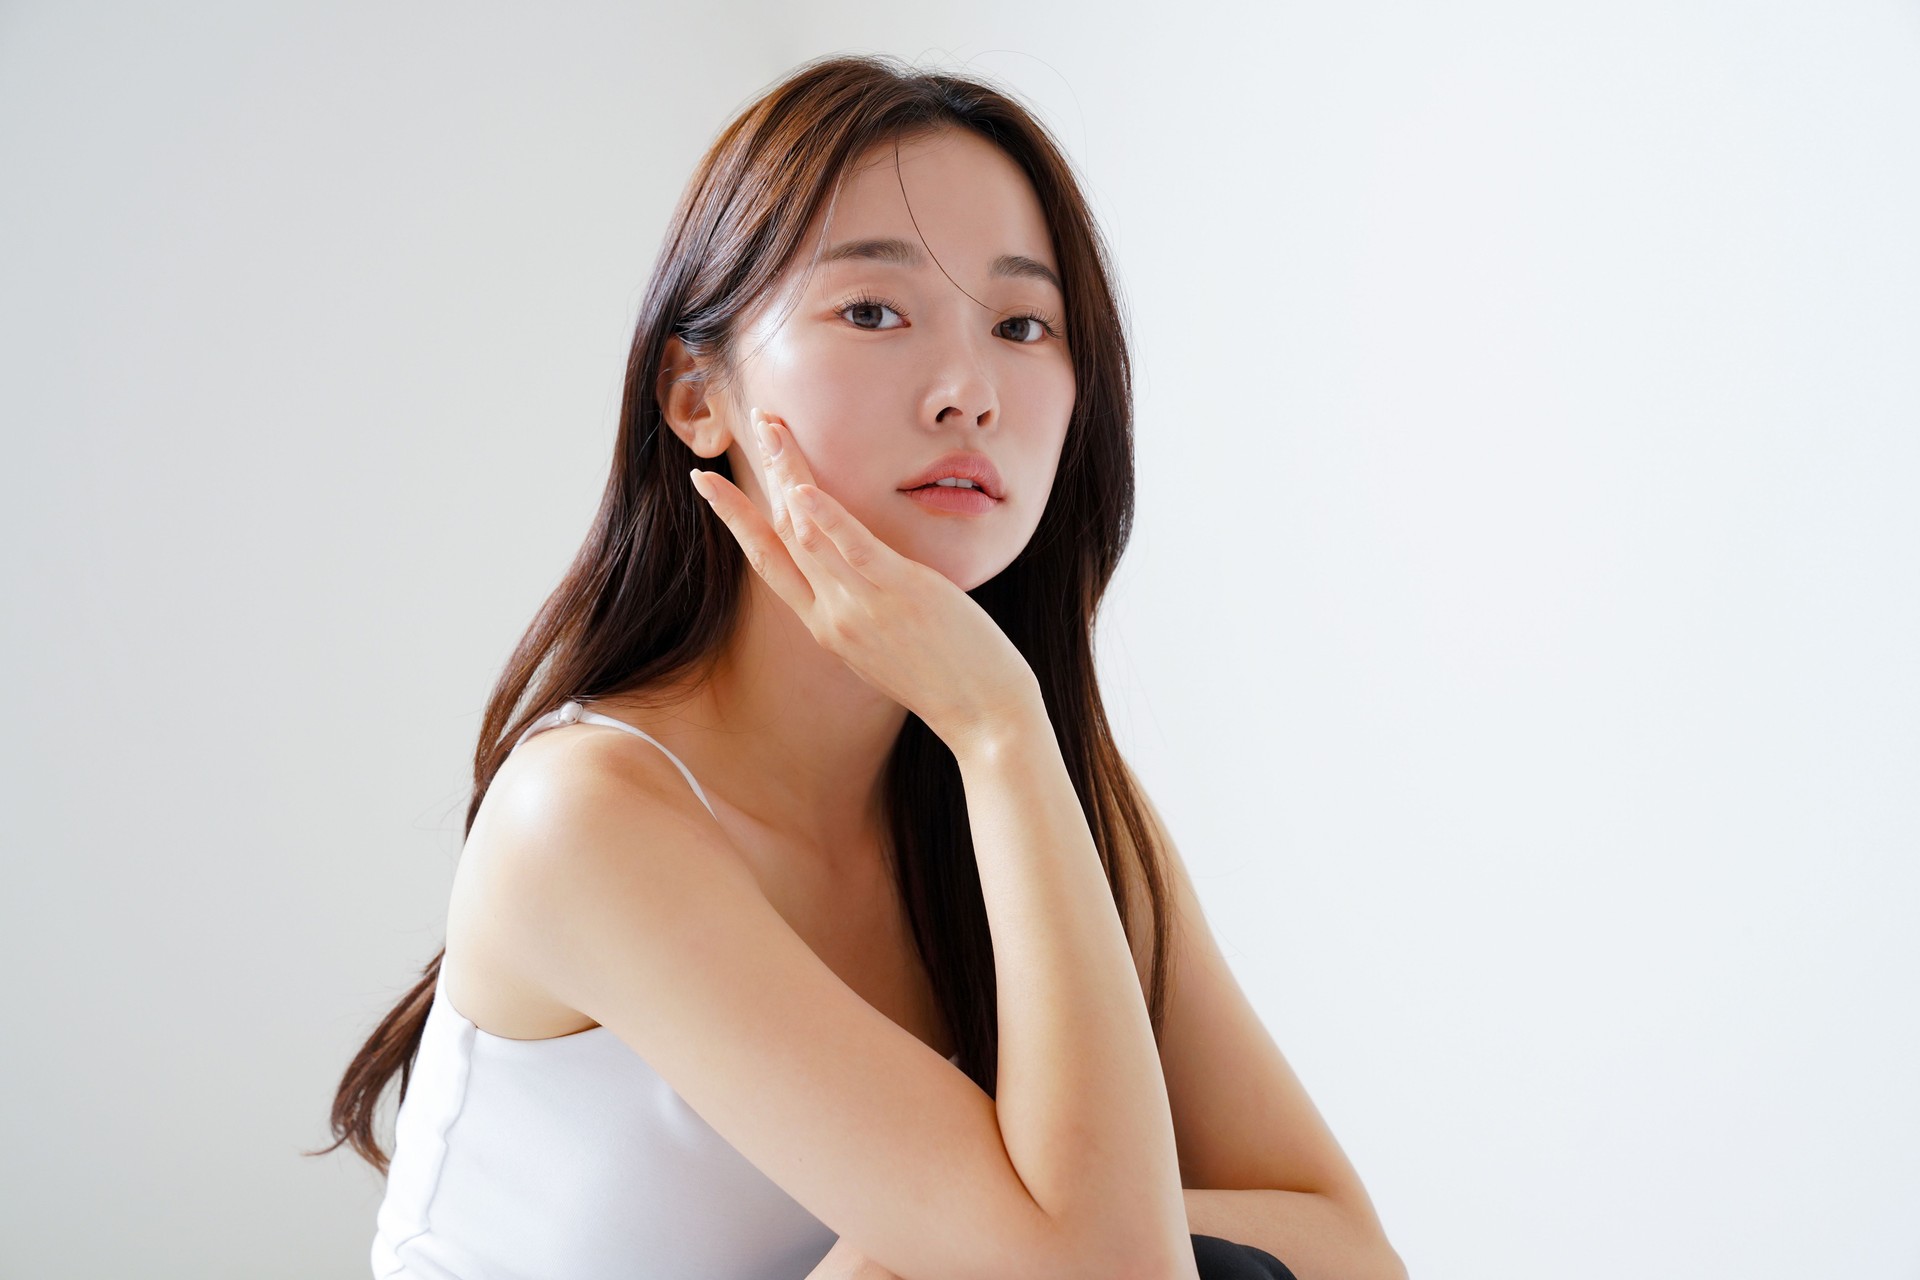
x: 815, y: 550
x: 834, y: 538
x: 781, y: 525
x: 785, y: 468
x: 782, y: 463
x: 766, y: 551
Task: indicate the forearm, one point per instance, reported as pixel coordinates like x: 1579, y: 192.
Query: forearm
x: 1316, y: 1237
x: 1081, y: 1099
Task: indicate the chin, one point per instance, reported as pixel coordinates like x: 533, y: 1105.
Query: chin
x: 967, y: 582
x: 960, y: 550
x: 970, y: 574
x: 965, y: 567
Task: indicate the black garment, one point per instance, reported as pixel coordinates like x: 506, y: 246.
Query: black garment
x: 1224, y: 1260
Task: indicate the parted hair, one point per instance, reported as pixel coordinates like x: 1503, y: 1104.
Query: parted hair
x: 656, y: 589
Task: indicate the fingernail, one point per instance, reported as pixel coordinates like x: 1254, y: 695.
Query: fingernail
x: 769, y: 439
x: 807, y: 499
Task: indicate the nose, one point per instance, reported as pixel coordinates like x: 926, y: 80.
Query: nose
x: 962, y: 390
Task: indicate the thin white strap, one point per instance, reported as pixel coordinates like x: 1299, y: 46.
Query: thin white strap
x: 546, y: 721
x: 570, y: 711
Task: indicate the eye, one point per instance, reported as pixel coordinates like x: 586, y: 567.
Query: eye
x: 870, y: 313
x: 1025, y: 328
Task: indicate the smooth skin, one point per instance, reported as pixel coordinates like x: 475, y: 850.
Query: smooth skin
x: 714, y: 945
x: 898, y: 624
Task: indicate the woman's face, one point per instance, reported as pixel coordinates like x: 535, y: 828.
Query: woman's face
x: 879, y: 363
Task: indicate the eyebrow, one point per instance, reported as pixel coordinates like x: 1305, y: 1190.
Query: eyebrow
x: 901, y: 253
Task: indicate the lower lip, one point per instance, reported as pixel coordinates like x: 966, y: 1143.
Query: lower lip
x: 943, y: 497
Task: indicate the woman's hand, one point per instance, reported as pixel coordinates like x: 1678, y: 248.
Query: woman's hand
x: 844, y: 1262
x: 900, y: 625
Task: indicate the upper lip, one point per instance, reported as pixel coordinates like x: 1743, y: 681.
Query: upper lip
x: 964, y: 464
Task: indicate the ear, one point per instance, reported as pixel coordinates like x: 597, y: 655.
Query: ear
x: 681, y: 388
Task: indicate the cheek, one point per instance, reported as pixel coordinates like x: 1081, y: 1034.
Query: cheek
x: 1042, y: 397
x: 1055, y: 390
x: 835, y: 396
x: 818, y: 382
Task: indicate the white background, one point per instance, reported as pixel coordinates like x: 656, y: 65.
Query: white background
x: 1519, y: 632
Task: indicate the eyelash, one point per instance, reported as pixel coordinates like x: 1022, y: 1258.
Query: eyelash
x: 1051, y: 329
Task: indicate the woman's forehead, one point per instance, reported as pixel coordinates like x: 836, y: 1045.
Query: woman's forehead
x: 952, y: 192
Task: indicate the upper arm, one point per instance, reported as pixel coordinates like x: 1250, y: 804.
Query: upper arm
x: 630, y: 907
x: 1241, y: 1117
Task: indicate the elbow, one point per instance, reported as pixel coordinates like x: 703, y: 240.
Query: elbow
x: 1111, y: 1256
x: 1172, y: 1259
x: 1385, y: 1263
x: 1373, y: 1254
x: 1135, y: 1266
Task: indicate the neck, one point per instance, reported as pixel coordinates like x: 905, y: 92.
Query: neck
x: 783, y: 731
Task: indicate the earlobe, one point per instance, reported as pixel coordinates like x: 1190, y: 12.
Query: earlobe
x: 681, y: 390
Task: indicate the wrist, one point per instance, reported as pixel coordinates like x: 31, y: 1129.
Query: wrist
x: 1009, y: 727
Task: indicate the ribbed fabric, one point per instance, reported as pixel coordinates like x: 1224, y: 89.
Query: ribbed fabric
x: 570, y: 1158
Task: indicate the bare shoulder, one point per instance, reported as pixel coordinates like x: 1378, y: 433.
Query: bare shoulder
x: 585, y: 773
x: 570, y: 806
x: 605, y: 887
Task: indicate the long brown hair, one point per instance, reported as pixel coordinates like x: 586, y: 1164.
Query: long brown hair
x: 653, y: 593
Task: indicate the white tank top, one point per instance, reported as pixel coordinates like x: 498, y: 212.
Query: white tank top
x: 569, y: 1157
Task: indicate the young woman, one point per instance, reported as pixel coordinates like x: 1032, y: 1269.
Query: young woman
x: 808, y: 921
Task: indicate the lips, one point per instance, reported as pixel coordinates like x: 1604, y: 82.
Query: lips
x: 962, y: 464
x: 956, y: 499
